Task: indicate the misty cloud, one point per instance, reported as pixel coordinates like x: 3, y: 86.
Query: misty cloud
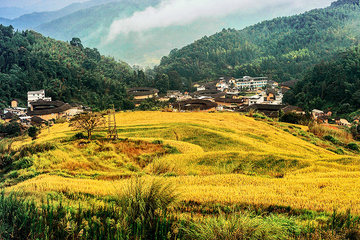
x: 183, y: 12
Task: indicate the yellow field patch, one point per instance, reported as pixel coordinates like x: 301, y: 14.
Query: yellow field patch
x: 221, y: 157
x: 319, y: 191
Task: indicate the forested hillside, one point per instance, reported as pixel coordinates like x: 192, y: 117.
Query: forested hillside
x: 333, y: 84
x: 67, y: 72
x: 281, y: 49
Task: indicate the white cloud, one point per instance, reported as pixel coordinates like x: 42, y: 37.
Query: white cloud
x: 183, y: 12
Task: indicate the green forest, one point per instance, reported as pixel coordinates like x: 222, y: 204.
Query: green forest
x: 67, y: 71
x: 281, y: 49
x: 333, y: 84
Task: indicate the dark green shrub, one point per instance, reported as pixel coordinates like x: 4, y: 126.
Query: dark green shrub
x: 157, y: 142
x: 29, y: 150
x: 258, y: 115
x: 291, y: 118
x: 32, y: 132
x: 353, y: 146
x: 5, y: 160
x: 332, y: 139
x: 13, y: 129
x: 77, y: 136
x: 339, y: 151
x: 170, y: 149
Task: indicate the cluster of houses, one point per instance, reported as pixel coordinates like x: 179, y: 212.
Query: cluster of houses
x: 227, y: 94
x: 326, y: 116
x: 40, y: 109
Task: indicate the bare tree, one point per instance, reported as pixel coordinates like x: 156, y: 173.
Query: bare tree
x: 87, y: 121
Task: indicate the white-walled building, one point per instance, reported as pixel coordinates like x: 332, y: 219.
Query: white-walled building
x: 252, y: 83
x: 201, y: 88
x: 256, y: 99
x: 33, y: 96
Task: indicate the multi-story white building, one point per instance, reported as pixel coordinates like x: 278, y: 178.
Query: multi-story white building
x: 252, y: 83
x: 33, y: 96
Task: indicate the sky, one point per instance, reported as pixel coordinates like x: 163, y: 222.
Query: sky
x: 196, y: 7
x: 38, y: 5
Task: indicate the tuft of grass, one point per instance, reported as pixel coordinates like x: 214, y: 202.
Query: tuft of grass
x: 336, y: 136
x: 241, y: 226
x: 144, y: 202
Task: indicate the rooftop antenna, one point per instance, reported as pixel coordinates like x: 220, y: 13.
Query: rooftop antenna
x: 112, y: 131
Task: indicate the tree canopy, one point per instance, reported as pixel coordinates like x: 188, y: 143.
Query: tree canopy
x: 87, y: 121
x: 67, y: 72
x: 333, y: 84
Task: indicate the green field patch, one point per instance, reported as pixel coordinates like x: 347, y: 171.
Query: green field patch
x: 348, y: 161
x: 139, y: 129
x: 249, y: 164
x: 211, y: 141
x: 219, y: 129
x: 257, y: 137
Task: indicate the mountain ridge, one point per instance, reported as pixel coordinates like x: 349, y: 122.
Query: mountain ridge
x: 282, y: 48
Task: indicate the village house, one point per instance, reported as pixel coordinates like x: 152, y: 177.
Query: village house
x: 270, y: 95
x: 270, y: 110
x: 14, y: 103
x: 323, y: 119
x: 9, y: 116
x: 317, y: 113
x: 356, y: 120
x: 251, y: 82
x: 17, y: 111
x: 201, y: 88
x: 141, y: 94
x: 173, y: 94
x: 33, y: 96
x: 222, y: 85
x: 286, y: 86
x: 25, y: 120
x: 48, y: 110
x: 344, y: 122
x: 195, y: 105
x: 37, y: 121
x: 256, y: 99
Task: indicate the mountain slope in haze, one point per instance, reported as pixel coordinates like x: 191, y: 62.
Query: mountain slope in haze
x: 281, y: 49
x: 11, y: 12
x: 33, y: 20
x: 96, y: 19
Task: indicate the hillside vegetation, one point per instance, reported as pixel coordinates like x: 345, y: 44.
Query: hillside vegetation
x: 67, y: 72
x: 334, y: 84
x: 282, y: 49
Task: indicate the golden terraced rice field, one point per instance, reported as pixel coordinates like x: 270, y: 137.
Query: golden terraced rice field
x: 223, y: 157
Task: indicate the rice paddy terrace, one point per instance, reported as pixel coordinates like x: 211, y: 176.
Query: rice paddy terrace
x: 213, y: 158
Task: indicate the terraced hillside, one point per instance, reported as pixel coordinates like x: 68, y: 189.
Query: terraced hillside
x: 222, y: 158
